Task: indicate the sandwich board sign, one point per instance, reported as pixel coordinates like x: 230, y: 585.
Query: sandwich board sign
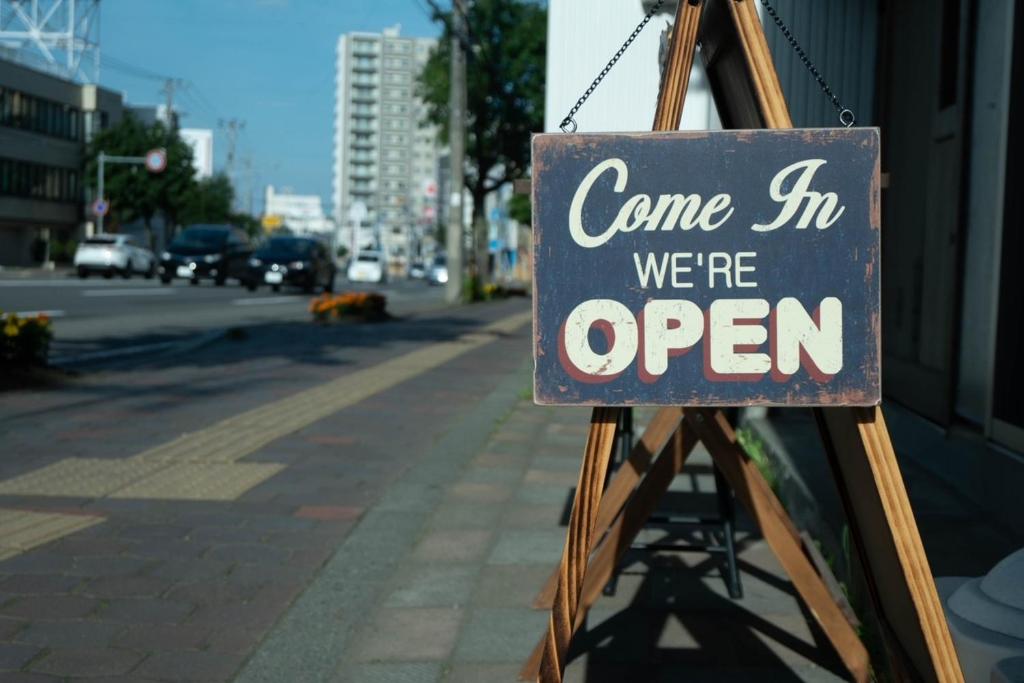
x: 724, y: 268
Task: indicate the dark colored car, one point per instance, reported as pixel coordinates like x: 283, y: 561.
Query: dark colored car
x: 216, y: 252
x: 297, y: 261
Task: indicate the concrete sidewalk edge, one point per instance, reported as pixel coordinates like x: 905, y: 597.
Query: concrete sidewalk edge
x: 308, y: 642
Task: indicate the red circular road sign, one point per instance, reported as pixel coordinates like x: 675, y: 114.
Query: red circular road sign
x: 100, y: 207
x: 156, y: 160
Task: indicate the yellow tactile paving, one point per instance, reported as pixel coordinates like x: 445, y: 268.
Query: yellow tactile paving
x: 79, y: 478
x: 22, y: 530
x: 203, y: 465
x: 191, y: 481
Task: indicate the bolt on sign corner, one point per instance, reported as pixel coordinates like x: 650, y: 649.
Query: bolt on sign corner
x: 722, y: 268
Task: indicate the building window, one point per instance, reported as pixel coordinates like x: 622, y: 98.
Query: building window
x: 37, y: 181
x: 27, y: 112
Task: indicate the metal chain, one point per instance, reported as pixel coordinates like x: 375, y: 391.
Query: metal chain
x: 568, y: 124
x: 846, y: 116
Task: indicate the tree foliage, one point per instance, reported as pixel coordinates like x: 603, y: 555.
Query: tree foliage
x: 134, y: 192
x: 208, y: 201
x: 505, y: 69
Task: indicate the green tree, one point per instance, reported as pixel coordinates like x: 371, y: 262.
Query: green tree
x: 505, y: 94
x: 208, y: 201
x: 134, y: 192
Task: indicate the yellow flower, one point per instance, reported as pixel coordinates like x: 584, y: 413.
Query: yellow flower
x: 11, y: 329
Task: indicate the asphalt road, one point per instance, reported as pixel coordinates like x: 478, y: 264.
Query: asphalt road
x: 97, y: 318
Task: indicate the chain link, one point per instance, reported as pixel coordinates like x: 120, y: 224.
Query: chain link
x: 568, y: 124
x: 846, y: 116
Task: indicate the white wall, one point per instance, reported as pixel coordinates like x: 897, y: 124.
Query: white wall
x: 582, y: 36
x: 201, y: 142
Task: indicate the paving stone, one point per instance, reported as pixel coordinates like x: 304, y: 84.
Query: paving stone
x: 13, y: 656
x: 88, y: 663
x: 247, y: 553
x: 413, y: 634
x: 108, y: 566
x: 509, y: 585
x: 500, y: 635
x: 125, y: 587
x: 410, y: 672
x: 469, y: 672
x: 545, y: 494
x: 146, y: 611
x: 9, y: 627
x: 492, y: 475
x: 51, y: 607
x: 458, y: 515
x: 161, y: 637
x: 481, y: 493
x: 432, y: 585
x: 533, y: 516
x: 78, y: 634
x: 189, y: 665
x: 515, y: 546
x: 251, y: 615
x: 334, y: 512
x: 35, y: 584
x: 453, y: 545
x: 210, y: 593
x: 191, y: 569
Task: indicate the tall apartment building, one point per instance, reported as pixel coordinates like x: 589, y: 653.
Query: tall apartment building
x: 384, y: 158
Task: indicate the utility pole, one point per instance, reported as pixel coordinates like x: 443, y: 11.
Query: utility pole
x: 232, y: 127
x: 457, y: 144
x: 170, y: 85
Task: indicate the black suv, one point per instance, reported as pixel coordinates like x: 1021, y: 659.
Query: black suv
x: 298, y: 261
x: 206, y: 251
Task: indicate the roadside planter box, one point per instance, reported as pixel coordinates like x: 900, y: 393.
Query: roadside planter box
x: 716, y: 268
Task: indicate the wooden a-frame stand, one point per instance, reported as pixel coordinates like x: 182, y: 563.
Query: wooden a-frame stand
x: 602, y: 526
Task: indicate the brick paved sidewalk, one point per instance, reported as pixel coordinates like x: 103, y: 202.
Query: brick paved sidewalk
x: 436, y: 581
x: 155, y: 524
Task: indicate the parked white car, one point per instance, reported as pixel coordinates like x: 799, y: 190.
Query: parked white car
x: 367, y: 266
x: 110, y: 254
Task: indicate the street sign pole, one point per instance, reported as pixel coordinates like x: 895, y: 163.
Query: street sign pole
x: 99, y: 192
x: 155, y: 161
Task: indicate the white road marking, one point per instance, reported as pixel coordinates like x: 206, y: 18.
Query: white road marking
x: 267, y: 300
x: 32, y: 314
x: 127, y: 292
x: 94, y: 282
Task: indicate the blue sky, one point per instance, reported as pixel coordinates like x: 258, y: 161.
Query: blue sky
x: 268, y: 62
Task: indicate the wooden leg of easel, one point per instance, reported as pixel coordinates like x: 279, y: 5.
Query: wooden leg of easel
x: 621, y: 486
x: 609, y: 552
x: 579, y: 542
x: 883, y: 528
x: 753, y: 492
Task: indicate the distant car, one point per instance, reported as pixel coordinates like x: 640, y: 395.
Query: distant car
x: 367, y: 266
x: 113, y: 254
x: 417, y: 270
x: 298, y: 261
x: 438, y: 273
x: 206, y: 251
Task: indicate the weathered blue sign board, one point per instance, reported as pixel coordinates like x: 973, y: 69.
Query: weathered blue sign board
x: 707, y: 269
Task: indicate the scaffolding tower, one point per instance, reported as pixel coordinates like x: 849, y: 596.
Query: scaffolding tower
x: 58, y: 36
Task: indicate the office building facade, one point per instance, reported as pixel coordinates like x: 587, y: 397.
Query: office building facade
x: 45, y: 123
x: 385, y: 159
